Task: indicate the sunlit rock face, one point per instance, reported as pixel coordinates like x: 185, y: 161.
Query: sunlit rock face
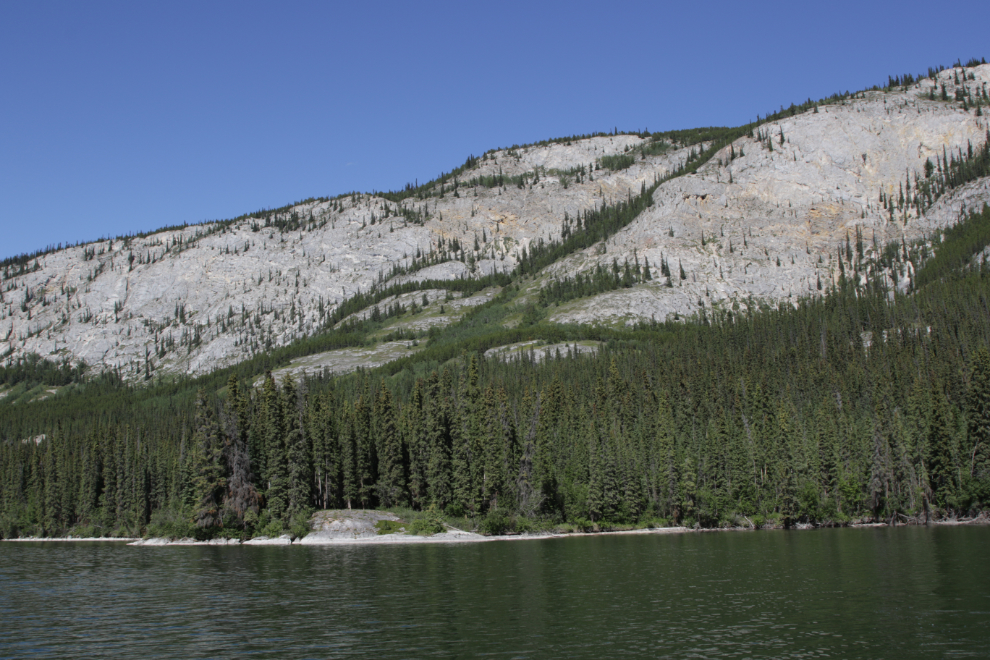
x: 762, y: 226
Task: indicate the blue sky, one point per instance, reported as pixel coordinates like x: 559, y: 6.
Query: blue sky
x: 123, y: 117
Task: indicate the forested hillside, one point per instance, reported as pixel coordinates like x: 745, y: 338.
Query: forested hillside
x: 753, y: 211
x: 865, y: 394
x: 866, y: 403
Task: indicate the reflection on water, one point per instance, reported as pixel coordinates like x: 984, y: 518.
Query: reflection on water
x: 869, y: 593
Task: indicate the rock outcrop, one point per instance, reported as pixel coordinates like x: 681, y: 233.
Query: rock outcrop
x: 761, y: 226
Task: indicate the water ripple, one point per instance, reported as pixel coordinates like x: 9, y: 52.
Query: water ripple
x: 900, y: 593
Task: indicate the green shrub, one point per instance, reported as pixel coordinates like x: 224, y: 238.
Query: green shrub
x: 390, y: 526
x: 16, y: 527
x: 496, y: 523
x: 231, y: 533
x: 250, y: 521
x: 427, y: 526
x: 171, y: 523
x: 300, y: 526
x: 272, y: 529
x: 617, y: 162
x: 85, y: 532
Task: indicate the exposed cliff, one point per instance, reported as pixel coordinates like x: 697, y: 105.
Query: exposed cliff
x: 761, y: 220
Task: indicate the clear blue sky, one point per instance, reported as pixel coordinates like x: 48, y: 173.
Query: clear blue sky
x: 122, y: 117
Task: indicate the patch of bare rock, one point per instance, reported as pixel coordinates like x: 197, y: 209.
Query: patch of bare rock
x: 760, y: 227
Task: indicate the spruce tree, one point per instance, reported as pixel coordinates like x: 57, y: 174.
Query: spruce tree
x: 879, y: 484
x: 612, y: 489
x: 941, y: 452
x: 476, y: 436
x: 391, y: 486
x: 241, y: 495
x: 493, y: 446
x: 416, y: 446
x: 530, y: 500
x: 978, y: 423
x: 208, y: 480
x: 326, y: 450
x: 439, y: 478
x: 349, y: 483
x: 687, y: 492
x: 460, y: 463
x: 547, y: 430
x: 298, y: 453
x: 52, y: 518
x: 666, y: 457
x: 596, y: 476
x: 365, y: 455
x: 276, y: 461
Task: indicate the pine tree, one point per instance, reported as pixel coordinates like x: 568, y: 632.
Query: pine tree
x: 978, y: 418
x: 348, y: 457
x: 439, y: 478
x: 596, y: 476
x: 499, y: 447
x: 298, y: 450
x: 612, y: 489
x: 666, y: 457
x: 828, y: 459
x: 530, y: 499
x: 688, y: 492
x: 241, y: 495
x: 416, y: 447
x: 365, y: 456
x: 52, y: 516
x: 391, y: 487
x: 276, y: 458
x: 208, y: 480
x: 878, y: 488
x: 475, y: 437
x: 326, y: 450
x: 941, y: 443
x: 547, y: 429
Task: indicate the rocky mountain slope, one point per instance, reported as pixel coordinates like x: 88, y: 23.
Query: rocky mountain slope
x: 759, y: 222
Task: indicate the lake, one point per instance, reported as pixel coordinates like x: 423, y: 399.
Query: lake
x: 906, y: 592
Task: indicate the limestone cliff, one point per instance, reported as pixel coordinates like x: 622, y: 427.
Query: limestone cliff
x: 760, y: 221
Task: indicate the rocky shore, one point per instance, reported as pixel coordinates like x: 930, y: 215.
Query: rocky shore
x: 363, y: 527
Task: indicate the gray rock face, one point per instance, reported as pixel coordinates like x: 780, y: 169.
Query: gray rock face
x: 535, y: 351
x: 193, y: 299
x: 733, y: 220
x: 349, y: 524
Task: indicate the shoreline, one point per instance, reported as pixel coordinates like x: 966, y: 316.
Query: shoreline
x: 72, y: 539
x: 455, y: 536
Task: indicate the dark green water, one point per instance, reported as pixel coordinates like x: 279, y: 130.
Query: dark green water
x: 847, y: 593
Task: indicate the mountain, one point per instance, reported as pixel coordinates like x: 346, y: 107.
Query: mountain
x: 739, y: 218
x: 783, y: 323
